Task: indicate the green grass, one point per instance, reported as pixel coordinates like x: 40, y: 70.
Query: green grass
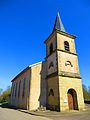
x: 2, y: 103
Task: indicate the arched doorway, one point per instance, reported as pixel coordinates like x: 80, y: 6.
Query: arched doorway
x: 72, y: 99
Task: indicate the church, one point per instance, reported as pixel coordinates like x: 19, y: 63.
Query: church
x: 54, y: 84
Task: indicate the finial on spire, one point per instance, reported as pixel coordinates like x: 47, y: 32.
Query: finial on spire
x: 58, y: 24
x: 58, y: 14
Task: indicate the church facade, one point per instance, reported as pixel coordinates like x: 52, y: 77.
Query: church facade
x: 55, y: 83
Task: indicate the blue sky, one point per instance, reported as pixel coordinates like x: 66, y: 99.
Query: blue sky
x: 25, y: 24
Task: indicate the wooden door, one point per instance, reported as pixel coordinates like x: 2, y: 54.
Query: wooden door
x: 70, y: 101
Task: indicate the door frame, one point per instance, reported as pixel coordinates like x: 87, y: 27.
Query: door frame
x: 74, y: 101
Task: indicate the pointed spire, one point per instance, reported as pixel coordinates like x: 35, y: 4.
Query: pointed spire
x: 58, y: 24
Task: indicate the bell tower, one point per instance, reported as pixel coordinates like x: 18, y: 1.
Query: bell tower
x: 64, y: 85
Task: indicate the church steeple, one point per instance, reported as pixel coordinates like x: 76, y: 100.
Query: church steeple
x: 58, y: 24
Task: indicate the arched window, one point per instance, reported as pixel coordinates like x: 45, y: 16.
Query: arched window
x: 13, y: 88
x: 24, y: 87
x: 51, y: 48
x: 66, y: 46
x: 51, y: 65
x: 16, y: 90
x: 28, y: 86
x: 51, y: 92
x: 68, y: 63
x: 19, y: 88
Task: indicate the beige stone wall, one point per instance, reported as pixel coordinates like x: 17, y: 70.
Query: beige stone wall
x: 43, y: 85
x: 53, y: 41
x: 53, y: 83
x: 50, y: 59
x: 66, y: 83
x: 37, y: 81
x: 21, y: 101
x: 60, y: 42
x: 35, y: 87
x: 63, y: 57
x: 59, y: 84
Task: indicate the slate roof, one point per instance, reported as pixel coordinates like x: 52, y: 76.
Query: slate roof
x: 58, y: 24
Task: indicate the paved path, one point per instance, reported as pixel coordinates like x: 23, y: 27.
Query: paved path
x: 72, y: 115
x: 82, y: 116
x: 10, y: 114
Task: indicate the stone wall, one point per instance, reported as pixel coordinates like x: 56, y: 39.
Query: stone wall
x: 66, y: 83
x: 34, y: 89
x: 53, y: 99
x: 18, y: 99
x: 60, y: 42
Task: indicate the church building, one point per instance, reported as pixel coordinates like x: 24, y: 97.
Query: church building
x: 55, y: 83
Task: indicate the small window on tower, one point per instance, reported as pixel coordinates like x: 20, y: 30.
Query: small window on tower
x: 51, y: 92
x: 51, y: 48
x: 66, y: 46
x: 68, y: 63
x: 51, y: 65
